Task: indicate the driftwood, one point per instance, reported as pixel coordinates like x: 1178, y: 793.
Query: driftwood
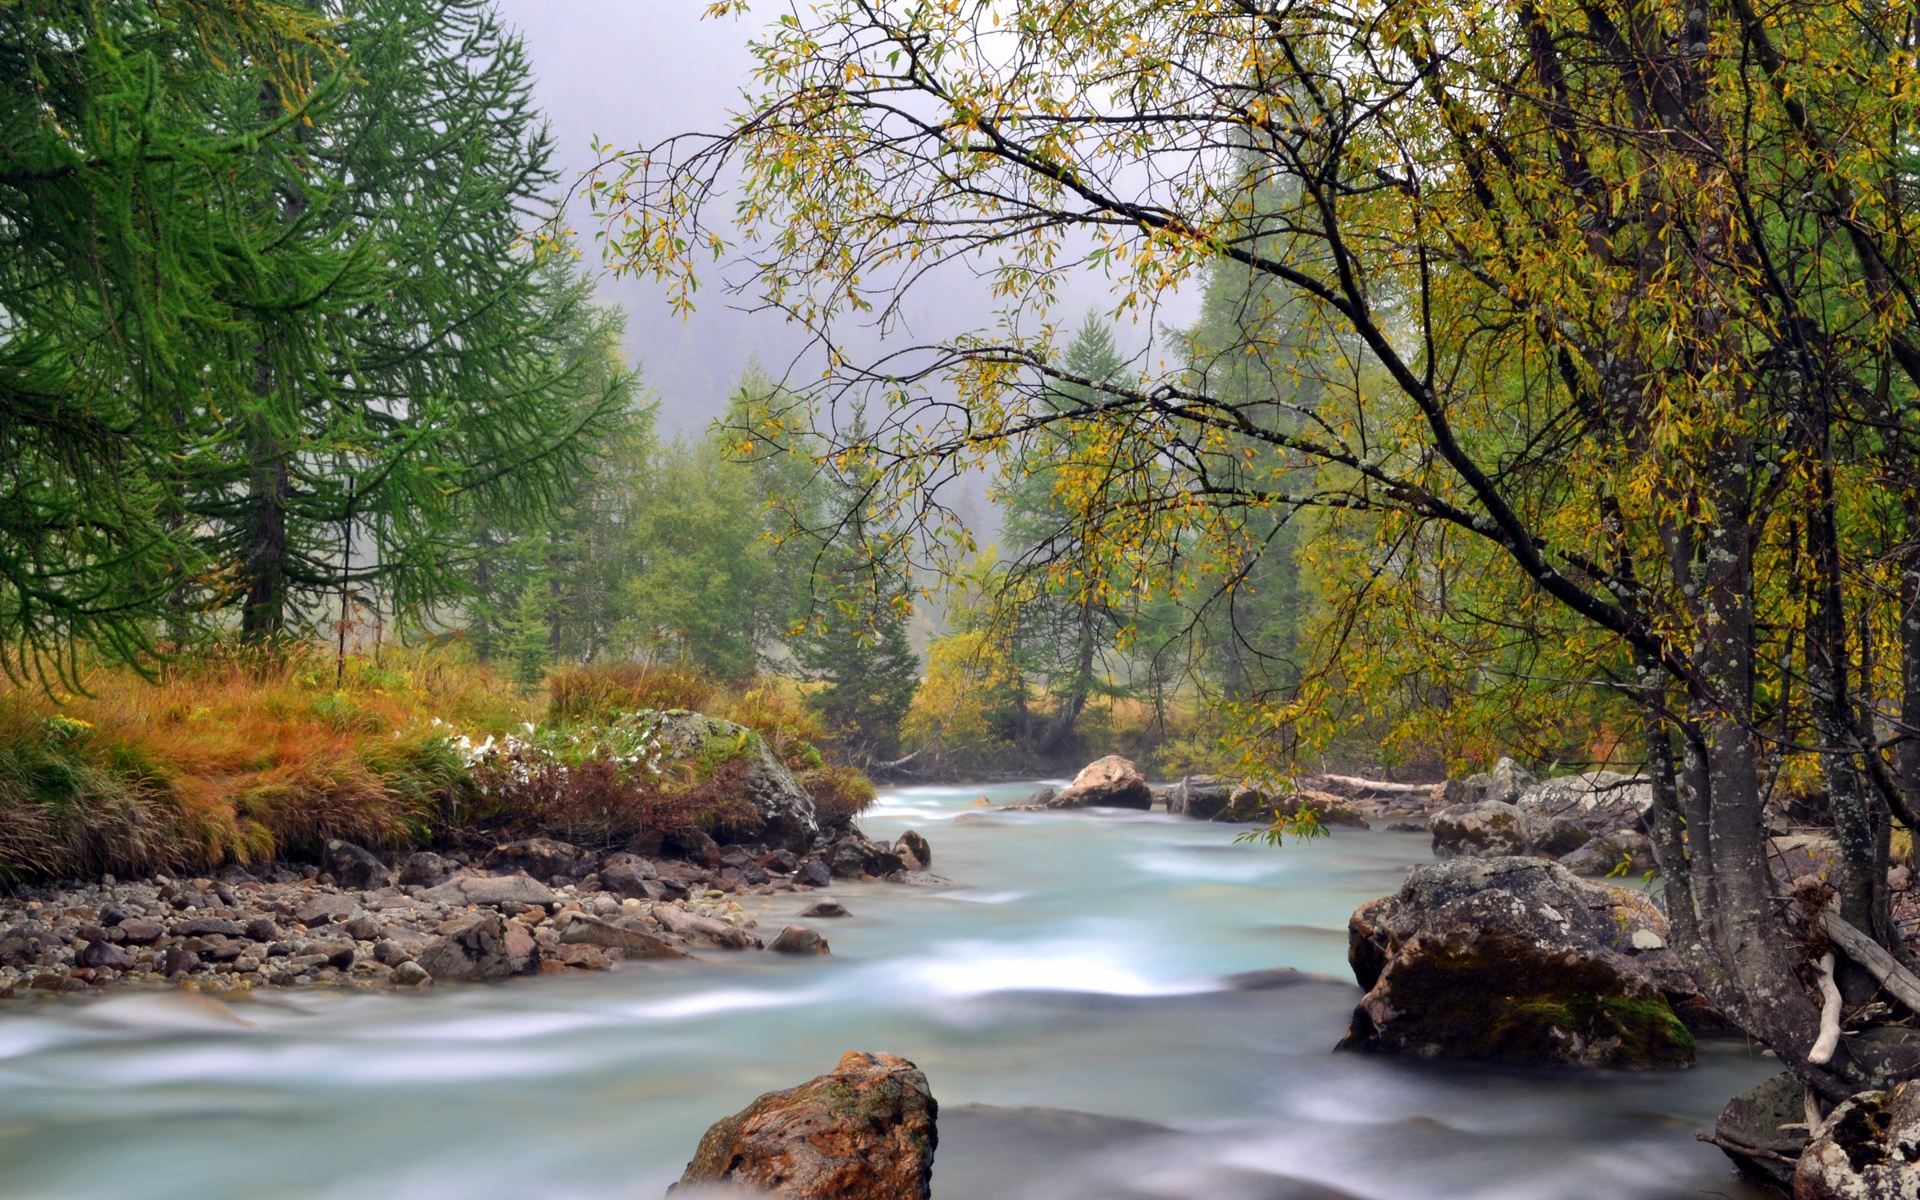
x: 1899, y: 982
x: 1353, y: 785
x: 1829, y: 1040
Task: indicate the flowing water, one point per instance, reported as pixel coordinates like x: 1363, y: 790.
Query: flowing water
x: 1082, y: 965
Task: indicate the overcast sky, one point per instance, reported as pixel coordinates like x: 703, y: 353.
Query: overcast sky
x: 631, y: 72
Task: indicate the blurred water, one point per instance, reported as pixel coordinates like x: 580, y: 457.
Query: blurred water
x: 1081, y: 966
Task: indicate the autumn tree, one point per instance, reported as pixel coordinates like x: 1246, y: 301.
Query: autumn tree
x: 1626, y: 295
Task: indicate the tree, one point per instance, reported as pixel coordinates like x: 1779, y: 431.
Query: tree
x: 445, y: 386
x: 1064, y: 619
x: 134, y: 154
x: 852, y: 640
x: 1627, y: 305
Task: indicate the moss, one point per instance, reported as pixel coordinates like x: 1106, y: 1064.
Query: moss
x: 1498, y: 998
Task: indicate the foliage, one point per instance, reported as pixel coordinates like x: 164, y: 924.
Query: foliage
x: 1607, y: 315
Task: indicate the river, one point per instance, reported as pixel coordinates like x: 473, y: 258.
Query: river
x: 1082, y: 965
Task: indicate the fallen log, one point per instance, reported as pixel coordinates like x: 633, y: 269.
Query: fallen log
x: 1382, y: 787
x: 1899, y: 982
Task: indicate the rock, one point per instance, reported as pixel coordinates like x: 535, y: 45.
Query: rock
x: 782, y: 812
x: 324, y: 909
x: 636, y: 943
x: 825, y: 906
x: 1515, y: 960
x: 1489, y: 829
x: 1598, y: 801
x: 1799, y: 854
x: 1040, y: 799
x: 364, y: 928
x: 1507, y: 781
x: 627, y: 875
x: 140, y: 932
x: 411, y: 974
x: 262, y: 929
x: 813, y: 873
x: 355, y: 866
x: 106, y: 954
x: 1202, y: 797
x: 705, y: 930
x: 1471, y: 790
x: 1246, y: 803
x: 479, y: 946
x: 424, y: 869
x: 780, y: 862
x: 917, y: 845
x: 180, y: 961
x: 1405, y: 827
x: 1110, y: 782
x: 866, y: 1132
x: 1753, y: 1119
x: 851, y: 857
x: 1557, y: 835
x: 798, y: 939
x: 542, y: 858
x: 1868, y: 1148
x: 498, y: 889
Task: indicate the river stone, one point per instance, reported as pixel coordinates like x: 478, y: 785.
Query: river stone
x: 1202, y: 797
x: 1515, y: 960
x: 825, y: 906
x: 1489, y: 829
x: 324, y: 909
x: 868, y: 1131
x: 1040, y: 798
x: 1110, y: 782
x: 354, y: 866
x: 705, y: 930
x: 637, y: 943
x: 425, y: 869
x: 1753, y: 1119
x: 626, y: 874
x: 479, y: 946
x: 542, y: 858
x: 917, y: 845
x: 813, y: 873
x: 106, y: 954
x: 798, y: 939
x: 1868, y: 1148
x: 782, y: 812
x: 1557, y: 835
x: 139, y: 931
x: 498, y: 889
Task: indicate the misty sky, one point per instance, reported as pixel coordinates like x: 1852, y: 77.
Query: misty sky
x: 631, y: 72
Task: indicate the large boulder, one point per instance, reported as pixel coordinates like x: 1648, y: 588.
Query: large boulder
x: 1110, y: 782
x: 1600, y: 801
x: 1202, y: 797
x: 1507, y: 782
x: 1868, y: 1148
x: 1516, y: 960
x: 866, y: 1132
x: 1487, y: 829
x: 781, y: 812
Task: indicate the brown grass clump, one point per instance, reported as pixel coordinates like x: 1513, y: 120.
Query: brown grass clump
x: 600, y: 692
x: 234, y: 755
x: 839, y: 794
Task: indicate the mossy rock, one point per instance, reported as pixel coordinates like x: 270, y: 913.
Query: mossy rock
x: 781, y: 813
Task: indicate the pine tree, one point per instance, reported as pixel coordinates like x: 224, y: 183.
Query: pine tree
x: 1062, y: 622
x: 447, y: 392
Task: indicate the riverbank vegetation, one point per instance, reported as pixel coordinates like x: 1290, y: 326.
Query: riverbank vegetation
x: 244, y: 756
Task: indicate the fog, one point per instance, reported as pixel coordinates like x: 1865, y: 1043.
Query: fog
x: 631, y: 73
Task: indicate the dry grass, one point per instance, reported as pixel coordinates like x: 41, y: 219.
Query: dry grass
x: 241, y: 756
x: 771, y: 708
x: 234, y: 756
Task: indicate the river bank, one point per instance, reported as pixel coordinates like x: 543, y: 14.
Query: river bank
x: 1082, y: 962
